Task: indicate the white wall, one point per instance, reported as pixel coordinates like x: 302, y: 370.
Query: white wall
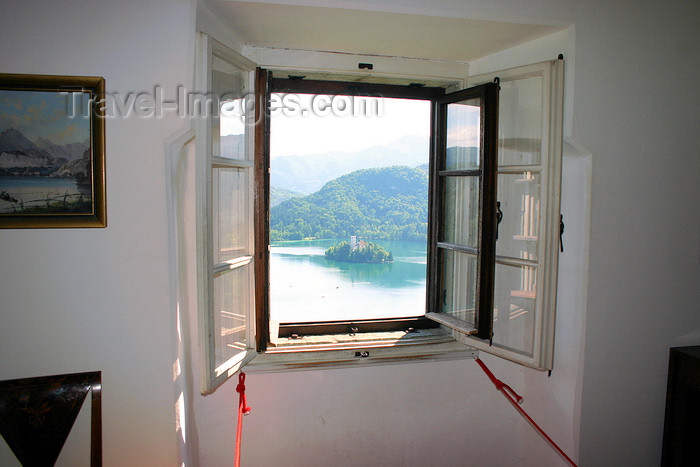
x: 636, y: 111
x: 98, y: 299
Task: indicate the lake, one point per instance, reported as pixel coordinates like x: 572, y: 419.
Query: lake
x: 306, y: 287
x: 33, y: 190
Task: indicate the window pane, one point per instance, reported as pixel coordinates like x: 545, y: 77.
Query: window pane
x: 518, y: 231
x: 463, y: 132
x: 228, y: 130
x: 514, y: 307
x: 232, y: 129
x: 231, y: 299
x: 231, y: 207
x: 461, y: 211
x: 458, y: 279
x: 520, y: 122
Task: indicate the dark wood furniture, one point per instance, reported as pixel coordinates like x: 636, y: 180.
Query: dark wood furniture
x: 37, y: 414
x: 682, y: 425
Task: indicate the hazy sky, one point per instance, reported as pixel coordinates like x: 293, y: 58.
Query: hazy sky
x: 311, y: 133
x: 303, y: 124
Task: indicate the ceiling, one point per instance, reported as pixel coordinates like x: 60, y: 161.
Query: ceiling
x: 372, y: 32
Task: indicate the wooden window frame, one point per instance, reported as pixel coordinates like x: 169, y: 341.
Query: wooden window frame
x: 265, y: 86
x: 485, y: 250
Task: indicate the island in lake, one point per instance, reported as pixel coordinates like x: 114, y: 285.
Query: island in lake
x: 359, y: 252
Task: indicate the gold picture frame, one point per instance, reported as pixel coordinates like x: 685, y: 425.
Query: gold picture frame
x: 52, y: 151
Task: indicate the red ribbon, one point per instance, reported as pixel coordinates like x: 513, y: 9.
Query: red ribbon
x: 243, y: 409
x: 504, y: 388
x: 500, y: 385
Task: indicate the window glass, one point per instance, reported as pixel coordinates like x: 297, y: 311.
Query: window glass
x: 461, y: 211
x: 231, y: 193
x: 231, y: 299
x: 228, y: 126
x: 514, y: 307
x: 520, y: 121
x: 518, y: 231
x: 459, y: 285
x: 463, y: 132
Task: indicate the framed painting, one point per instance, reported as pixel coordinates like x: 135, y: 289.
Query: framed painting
x: 52, y: 151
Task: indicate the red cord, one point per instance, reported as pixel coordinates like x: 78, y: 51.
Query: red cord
x: 504, y: 388
x: 243, y: 409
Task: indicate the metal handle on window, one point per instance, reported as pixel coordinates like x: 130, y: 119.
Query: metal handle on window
x: 499, y: 217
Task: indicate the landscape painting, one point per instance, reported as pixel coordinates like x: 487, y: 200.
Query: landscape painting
x: 51, y: 152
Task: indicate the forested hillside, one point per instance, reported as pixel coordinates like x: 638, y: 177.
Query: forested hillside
x: 308, y: 173
x: 280, y: 195
x: 381, y: 204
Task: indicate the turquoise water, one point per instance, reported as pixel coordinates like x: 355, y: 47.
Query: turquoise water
x: 34, y: 190
x: 305, y: 286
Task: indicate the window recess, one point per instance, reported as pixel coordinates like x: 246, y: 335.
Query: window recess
x: 493, y: 223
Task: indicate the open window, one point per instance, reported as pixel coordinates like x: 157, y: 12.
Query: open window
x: 464, y: 211
x: 224, y: 210
x: 493, y: 213
x: 519, y: 231
x: 353, y: 215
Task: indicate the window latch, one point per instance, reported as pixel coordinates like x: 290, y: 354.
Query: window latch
x: 499, y: 217
x: 561, y: 232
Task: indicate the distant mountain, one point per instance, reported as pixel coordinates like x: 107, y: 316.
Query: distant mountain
x: 389, y: 203
x: 79, y: 169
x: 13, y: 140
x: 20, y: 156
x: 306, y: 174
x: 279, y: 195
x: 21, y: 160
x: 68, y: 151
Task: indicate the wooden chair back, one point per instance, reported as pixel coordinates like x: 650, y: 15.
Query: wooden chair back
x: 37, y: 414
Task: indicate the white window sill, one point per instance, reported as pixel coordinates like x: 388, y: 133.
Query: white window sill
x: 368, y: 349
